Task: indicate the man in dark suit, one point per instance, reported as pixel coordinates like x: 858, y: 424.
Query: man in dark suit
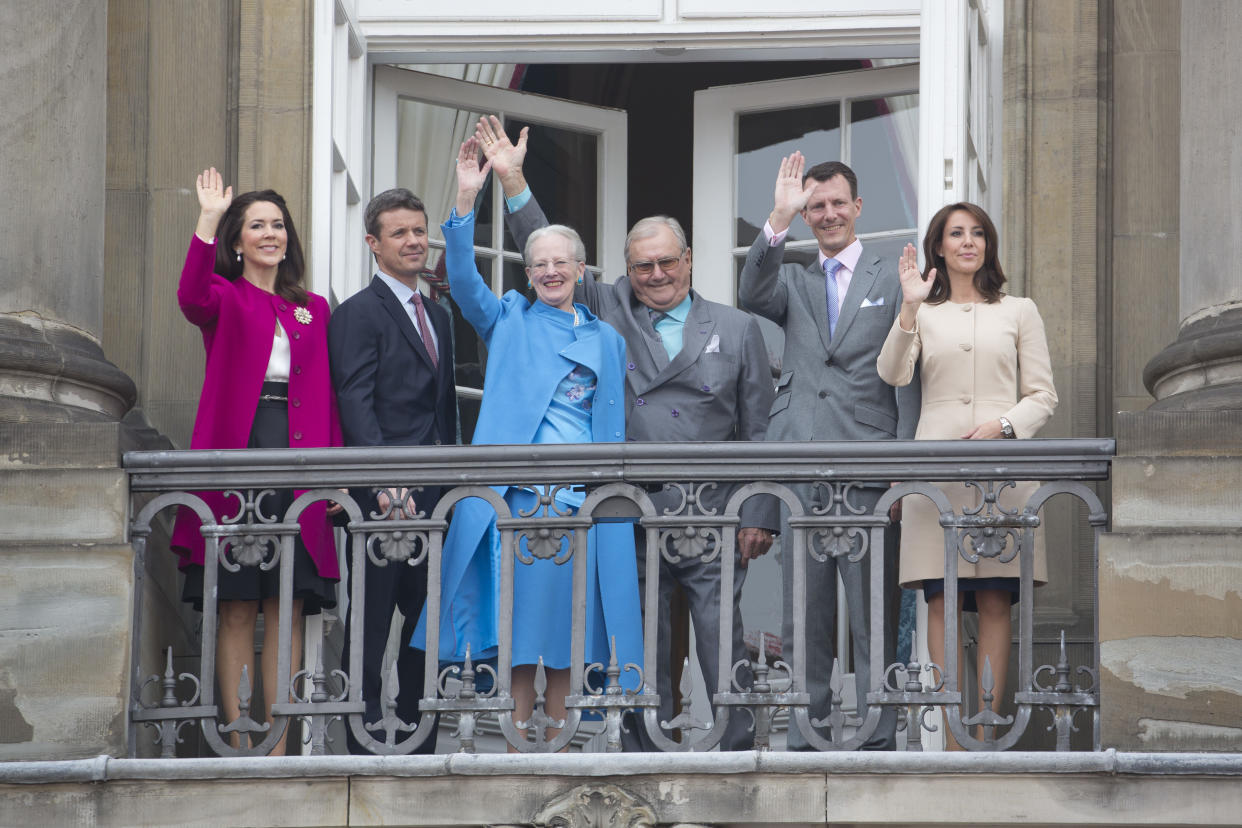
x: 835, y: 313
x: 696, y: 370
x: 392, y: 366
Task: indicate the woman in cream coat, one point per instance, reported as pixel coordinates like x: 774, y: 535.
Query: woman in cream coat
x: 983, y: 360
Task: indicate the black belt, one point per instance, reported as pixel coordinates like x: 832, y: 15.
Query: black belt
x: 274, y: 392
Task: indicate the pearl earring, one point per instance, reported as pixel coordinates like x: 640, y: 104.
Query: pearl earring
x: 239, y: 255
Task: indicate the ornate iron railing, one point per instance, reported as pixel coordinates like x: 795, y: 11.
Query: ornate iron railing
x: 618, y: 481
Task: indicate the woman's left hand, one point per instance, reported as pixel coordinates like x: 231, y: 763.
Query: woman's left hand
x: 987, y: 430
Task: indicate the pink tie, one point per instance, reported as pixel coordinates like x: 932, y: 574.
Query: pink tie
x: 424, y: 329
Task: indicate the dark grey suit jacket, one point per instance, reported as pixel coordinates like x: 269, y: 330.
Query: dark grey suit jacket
x: 829, y: 389
x: 718, y: 387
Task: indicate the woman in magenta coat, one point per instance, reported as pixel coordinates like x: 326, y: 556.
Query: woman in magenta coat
x: 266, y: 385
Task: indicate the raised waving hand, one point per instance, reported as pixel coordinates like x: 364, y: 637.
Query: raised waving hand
x: 505, y: 156
x: 213, y: 199
x: 790, y: 195
x: 470, y: 176
x: 914, y: 286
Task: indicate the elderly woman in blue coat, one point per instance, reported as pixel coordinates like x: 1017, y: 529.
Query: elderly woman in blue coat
x: 554, y: 375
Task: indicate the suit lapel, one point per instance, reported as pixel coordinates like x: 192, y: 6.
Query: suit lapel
x: 388, y: 300
x: 860, y: 286
x: 655, y: 349
x: 695, y: 335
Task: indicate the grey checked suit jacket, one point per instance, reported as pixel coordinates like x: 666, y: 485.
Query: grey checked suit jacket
x: 829, y: 390
x: 718, y: 387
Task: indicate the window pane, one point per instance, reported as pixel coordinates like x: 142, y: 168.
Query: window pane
x: 884, y: 152
x: 803, y: 257
x: 515, y: 279
x: 562, y: 170
x: 763, y: 138
x: 888, y: 248
x: 428, y: 136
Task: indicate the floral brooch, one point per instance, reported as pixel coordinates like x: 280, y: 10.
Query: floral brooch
x: 303, y: 315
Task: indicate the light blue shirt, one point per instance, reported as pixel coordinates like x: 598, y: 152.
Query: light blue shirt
x: 518, y: 201
x: 671, y: 326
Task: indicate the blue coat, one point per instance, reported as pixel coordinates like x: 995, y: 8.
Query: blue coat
x: 531, y: 348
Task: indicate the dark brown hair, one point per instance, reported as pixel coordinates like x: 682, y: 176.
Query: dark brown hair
x: 825, y: 170
x: 290, y: 271
x: 398, y: 198
x: 988, y: 278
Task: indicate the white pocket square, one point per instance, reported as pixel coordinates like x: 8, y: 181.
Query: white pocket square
x: 867, y: 303
x: 713, y: 345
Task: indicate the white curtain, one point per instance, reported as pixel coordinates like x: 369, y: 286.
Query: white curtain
x: 904, y: 133
x: 429, y: 135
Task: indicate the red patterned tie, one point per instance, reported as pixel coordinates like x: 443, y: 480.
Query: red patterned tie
x: 425, y: 329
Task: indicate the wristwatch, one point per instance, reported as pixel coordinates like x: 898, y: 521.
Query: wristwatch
x: 1007, y: 429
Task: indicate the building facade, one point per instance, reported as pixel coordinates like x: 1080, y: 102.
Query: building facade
x: 1103, y: 135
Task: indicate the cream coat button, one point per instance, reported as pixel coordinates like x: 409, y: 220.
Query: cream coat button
x: 966, y: 400
x: 965, y: 346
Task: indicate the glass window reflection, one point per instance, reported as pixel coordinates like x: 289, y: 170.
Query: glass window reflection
x: 763, y: 138
x: 884, y: 152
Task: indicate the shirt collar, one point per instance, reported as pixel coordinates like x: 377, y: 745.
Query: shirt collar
x: 399, y: 288
x: 681, y: 311
x: 848, y: 257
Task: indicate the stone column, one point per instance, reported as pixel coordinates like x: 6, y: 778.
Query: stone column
x: 1171, y: 569
x: 65, y: 569
x: 52, y: 61
x: 1203, y: 369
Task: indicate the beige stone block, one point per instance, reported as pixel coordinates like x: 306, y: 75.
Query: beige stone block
x: 188, y: 94
x: 187, y: 803
x: 1146, y: 26
x: 1195, y: 581
x: 172, y: 345
x: 705, y: 798
x: 1053, y: 25
x: 127, y: 94
x: 64, y: 650
x: 1177, y: 493
x: 125, y: 289
x: 1162, y: 694
x: 73, y: 506
x: 1145, y: 143
x: 1144, y: 308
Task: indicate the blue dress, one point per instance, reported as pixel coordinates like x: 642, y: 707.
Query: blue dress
x: 548, y: 381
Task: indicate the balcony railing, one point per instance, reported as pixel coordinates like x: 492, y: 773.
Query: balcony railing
x: 618, y: 480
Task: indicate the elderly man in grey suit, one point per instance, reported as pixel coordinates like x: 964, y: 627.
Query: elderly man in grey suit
x: 835, y: 313
x: 696, y: 370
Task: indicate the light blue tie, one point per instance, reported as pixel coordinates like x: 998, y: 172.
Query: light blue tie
x: 831, y: 266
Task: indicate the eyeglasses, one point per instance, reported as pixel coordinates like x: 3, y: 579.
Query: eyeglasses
x: 555, y: 266
x: 647, y: 268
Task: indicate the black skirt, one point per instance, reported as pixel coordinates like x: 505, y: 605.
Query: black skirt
x: 250, y: 583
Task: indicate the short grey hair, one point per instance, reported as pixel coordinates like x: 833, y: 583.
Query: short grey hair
x: 561, y: 230
x: 647, y: 227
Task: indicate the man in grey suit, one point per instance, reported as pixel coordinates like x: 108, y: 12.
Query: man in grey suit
x: 696, y: 370
x: 835, y: 313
